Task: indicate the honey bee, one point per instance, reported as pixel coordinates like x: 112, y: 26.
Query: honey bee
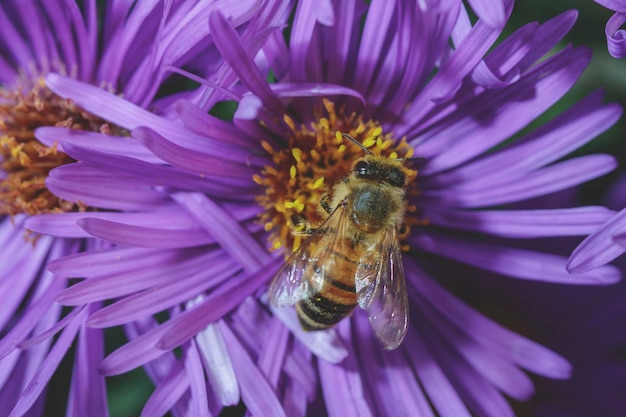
x: 354, y: 257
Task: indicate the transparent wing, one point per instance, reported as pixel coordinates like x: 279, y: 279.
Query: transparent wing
x: 381, y: 290
x: 303, y: 274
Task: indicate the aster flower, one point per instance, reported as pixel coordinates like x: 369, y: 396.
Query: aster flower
x: 180, y: 207
x: 615, y: 40
x: 125, y: 49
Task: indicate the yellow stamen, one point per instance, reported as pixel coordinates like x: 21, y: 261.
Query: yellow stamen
x: 369, y: 142
x: 317, y: 184
x: 297, y: 154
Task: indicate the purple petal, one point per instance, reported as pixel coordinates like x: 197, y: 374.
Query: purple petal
x: 146, y: 237
x: 197, y: 382
x: 620, y: 240
x: 18, y: 48
x: 373, y: 36
x: 167, y: 393
x: 492, y: 12
x: 112, y: 145
x: 216, y: 304
x: 615, y: 5
x: 598, y: 248
x: 228, y: 163
x: 512, y: 262
x: 66, y: 225
x: 441, y: 393
x: 273, y: 352
x: 286, y: 90
x: 47, y: 368
x: 463, y: 60
x: 342, y: 386
x: 486, y: 364
x: 57, y: 327
x: 549, y: 80
x: 88, y: 388
x: 136, y: 352
x: 548, y: 36
x: 406, y: 386
x: 544, y: 181
x: 107, y: 105
x: 19, y: 259
x: 218, y: 364
x: 109, y: 286
x: 616, y: 37
x: 203, y: 124
x: 98, y: 188
x: 517, y: 349
x: 250, y: 317
x: 304, y: 22
x: 576, y: 221
x: 256, y: 392
x: 225, y: 229
x: 40, y: 310
x: 554, y: 140
x: 472, y: 386
x: 161, y: 297
x: 324, y: 344
x: 113, y: 261
x: 229, y: 44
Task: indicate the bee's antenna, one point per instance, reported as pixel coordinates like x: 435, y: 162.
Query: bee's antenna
x: 356, y: 142
x: 420, y: 159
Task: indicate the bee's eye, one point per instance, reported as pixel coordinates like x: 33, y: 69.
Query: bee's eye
x: 361, y: 168
x: 396, y: 177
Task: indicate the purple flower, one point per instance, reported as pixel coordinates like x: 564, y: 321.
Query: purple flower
x: 128, y: 49
x: 180, y: 206
x: 615, y: 39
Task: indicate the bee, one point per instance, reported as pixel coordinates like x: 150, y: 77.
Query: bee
x: 354, y: 256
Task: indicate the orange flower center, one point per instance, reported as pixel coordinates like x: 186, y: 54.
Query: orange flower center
x: 25, y: 161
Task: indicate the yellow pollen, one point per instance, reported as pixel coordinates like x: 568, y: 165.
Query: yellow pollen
x: 266, y: 146
x: 317, y: 184
x: 369, y: 142
x: 293, y: 191
x: 289, y: 122
x: 257, y: 179
x: 297, y: 154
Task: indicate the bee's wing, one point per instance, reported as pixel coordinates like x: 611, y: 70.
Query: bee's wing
x: 381, y: 290
x: 302, y: 275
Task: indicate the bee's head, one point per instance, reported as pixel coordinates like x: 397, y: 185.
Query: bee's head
x: 376, y: 168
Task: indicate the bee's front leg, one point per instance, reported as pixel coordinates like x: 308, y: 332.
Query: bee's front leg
x: 324, y: 203
x: 301, y: 226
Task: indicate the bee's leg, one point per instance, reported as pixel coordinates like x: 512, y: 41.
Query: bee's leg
x: 302, y: 227
x: 324, y: 204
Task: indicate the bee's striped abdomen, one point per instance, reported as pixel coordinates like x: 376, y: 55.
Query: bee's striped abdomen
x: 335, y: 301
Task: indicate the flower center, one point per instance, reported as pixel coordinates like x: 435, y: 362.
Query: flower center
x: 314, y: 160
x: 25, y: 161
